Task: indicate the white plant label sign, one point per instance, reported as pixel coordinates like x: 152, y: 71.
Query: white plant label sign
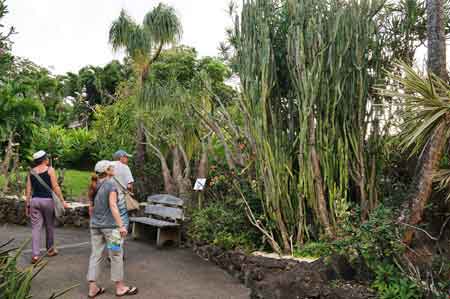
x: 199, y: 184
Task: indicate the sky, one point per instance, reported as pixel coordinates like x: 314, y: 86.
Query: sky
x: 66, y: 35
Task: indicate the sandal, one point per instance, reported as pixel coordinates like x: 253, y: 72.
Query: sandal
x: 99, y: 292
x: 130, y: 292
x: 52, y: 252
x: 35, y: 259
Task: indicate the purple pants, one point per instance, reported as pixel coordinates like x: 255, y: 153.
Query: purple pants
x: 42, y: 212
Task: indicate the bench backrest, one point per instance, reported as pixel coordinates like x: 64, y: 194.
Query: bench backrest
x: 166, y: 207
x: 165, y: 199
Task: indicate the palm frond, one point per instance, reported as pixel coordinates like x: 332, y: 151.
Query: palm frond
x: 163, y: 24
x: 426, y: 104
x: 156, y: 94
x: 126, y: 34
x: 442, y: 178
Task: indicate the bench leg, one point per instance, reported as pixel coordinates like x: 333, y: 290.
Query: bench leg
x: 165, y: 234
x: 136, y: 231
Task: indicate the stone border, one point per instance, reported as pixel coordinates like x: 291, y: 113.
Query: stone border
x: 270, y: 278
x: 12, y: 210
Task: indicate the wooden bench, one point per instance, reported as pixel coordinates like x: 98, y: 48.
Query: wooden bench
x: 165, y: 212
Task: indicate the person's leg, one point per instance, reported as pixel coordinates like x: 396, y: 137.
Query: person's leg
x: 37, y: 221
x: 117, y: 268
x: 122, y: 205
x: 116, y: 258
x: 98, y: 243
x: 48, y: 211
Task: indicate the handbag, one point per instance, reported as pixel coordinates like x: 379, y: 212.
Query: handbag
x: 59, y: 207
x: 131, y: 203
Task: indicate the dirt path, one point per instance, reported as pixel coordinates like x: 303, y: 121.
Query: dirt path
x: 166, y: 274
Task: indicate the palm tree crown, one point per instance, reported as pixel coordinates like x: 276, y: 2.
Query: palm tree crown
x: 161, y: 27
x: 163, y: 24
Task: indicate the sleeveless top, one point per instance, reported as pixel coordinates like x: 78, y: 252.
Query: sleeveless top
x: 37, y: 189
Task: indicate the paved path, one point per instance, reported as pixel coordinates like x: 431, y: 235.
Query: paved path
x: 159, y: 274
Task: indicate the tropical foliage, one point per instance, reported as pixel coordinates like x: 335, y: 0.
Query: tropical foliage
x: 308, y: 127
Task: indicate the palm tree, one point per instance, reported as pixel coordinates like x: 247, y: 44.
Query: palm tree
x: 144, y: 43
x: 427, y: 116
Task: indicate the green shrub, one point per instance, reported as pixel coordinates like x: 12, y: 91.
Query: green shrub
x: 314, y: 249
x: 223, y: 225
x: 115, y: 128
x: 375, y: 241
x: 390, y: 284
x: 67, y: 147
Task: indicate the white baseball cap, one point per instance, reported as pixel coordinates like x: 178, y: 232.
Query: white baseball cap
x: 103, y: 165
x: 39, y: 154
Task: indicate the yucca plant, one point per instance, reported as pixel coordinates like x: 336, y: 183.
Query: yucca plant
x: 426, y: 112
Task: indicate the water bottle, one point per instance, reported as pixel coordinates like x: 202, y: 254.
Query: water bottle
x: 115, y: 241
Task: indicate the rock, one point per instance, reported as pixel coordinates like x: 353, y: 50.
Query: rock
x: 12, y: 210
x: 341, y: 267
x: 270, y: 278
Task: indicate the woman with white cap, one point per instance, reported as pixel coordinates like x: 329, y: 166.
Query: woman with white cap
x: 107, y: 230
x: 40, y: 205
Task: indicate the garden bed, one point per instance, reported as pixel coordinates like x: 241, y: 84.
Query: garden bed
x: 272, y: 278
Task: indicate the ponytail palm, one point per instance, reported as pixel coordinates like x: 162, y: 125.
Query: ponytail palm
x: 126, y: 34
x: 164, y: 26
x: 161, y: 27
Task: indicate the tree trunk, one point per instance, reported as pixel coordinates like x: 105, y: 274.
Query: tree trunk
x: 318, y: 181
x: 176, y: 167
x: 182, y: 182
x: 362, y: 182
x: 422, y: 184
x: 157, y: 53
x: 140, y: 159
x: 169, y: 183
x: 203, y: 167
x: 432, y: 154
x: 436, y: 39
x: 9, y: 151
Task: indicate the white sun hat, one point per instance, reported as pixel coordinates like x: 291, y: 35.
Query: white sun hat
x: 39, y: 154
x: 103, y: 165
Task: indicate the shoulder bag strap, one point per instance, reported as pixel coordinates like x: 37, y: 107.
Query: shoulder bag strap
x: 41, y: 181
x: 96, y: 191
x: 125, y: 190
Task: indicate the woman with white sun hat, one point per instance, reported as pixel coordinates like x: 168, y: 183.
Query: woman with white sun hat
x: 40, y: 205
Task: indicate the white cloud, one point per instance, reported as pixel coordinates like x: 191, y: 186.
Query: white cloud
x: 66, y: 35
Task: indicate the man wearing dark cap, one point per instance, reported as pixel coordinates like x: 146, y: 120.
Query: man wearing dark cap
x: 125, y: 180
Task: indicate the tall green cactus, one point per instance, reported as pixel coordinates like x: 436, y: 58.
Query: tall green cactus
x: 309, y: 123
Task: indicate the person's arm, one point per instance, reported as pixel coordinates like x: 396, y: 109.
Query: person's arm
x: 130, y: 179
x: 55, y: 185
x: 91, y: 206
x: 28, y: 196
x: 115, y: 213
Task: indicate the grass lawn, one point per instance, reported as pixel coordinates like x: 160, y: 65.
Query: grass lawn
x: 76, y: 183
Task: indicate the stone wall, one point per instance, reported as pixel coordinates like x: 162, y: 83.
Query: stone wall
x: 12, y: 210
x: 270, y: 278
